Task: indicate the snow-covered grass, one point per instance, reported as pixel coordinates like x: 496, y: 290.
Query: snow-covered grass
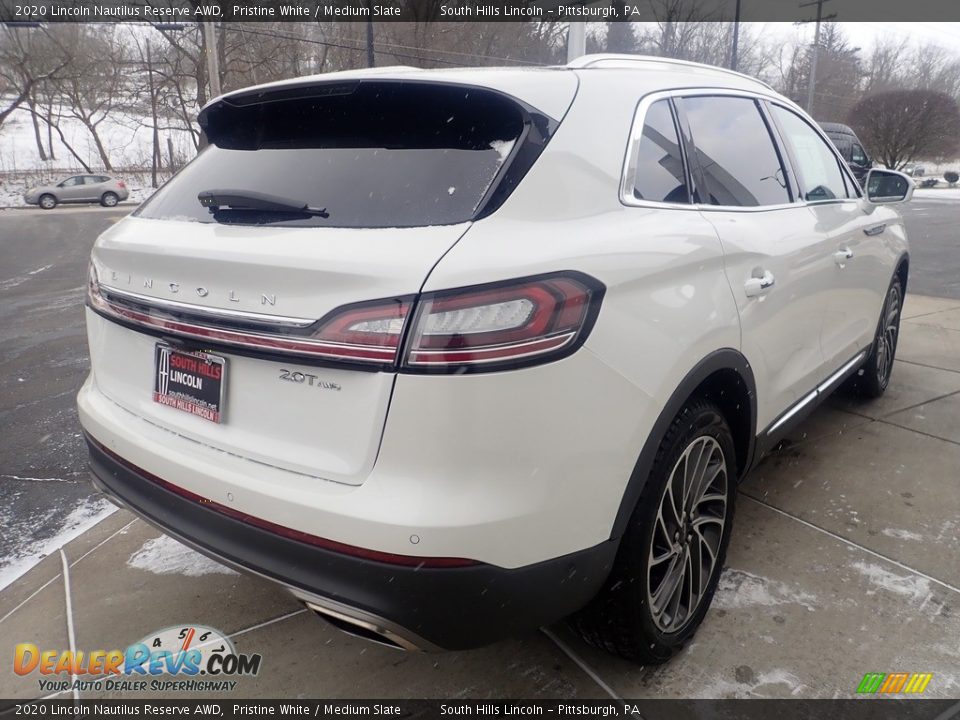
x: 126, y: 136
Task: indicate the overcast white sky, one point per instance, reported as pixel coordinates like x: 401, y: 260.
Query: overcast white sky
x: 865, y: 34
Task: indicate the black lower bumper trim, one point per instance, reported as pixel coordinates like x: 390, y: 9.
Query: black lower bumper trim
x: 450, y: 608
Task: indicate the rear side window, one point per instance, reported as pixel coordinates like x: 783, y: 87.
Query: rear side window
x: 818, y: 168
x: 659, y: 175
x: 373, y: 154
x: 735, y: 152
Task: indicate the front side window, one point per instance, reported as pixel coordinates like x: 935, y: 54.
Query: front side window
x: 859, y: 156
x: 818, y: 169
x: 70, y: 182
x: 659, y: 176
x: 735, y: 152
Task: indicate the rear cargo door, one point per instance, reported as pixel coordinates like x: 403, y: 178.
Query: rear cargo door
x: 314, y: 216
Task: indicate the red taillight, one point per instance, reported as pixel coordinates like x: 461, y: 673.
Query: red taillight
x: 490, y: 327
x: 121, y: 184
x: 473, y: 329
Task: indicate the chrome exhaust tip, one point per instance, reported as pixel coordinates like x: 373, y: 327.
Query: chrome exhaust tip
x: 362, y: 629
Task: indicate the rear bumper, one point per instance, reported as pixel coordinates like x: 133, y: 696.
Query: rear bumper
x: 422, y: 608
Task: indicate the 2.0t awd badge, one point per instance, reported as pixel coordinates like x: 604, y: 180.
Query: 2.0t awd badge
x: 295, y: 376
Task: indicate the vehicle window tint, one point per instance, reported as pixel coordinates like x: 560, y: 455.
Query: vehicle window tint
x: 659, y: 174
x: 859, y: 156
x: 735, y: 152
x: 372, y: 154
x: 818, y: 169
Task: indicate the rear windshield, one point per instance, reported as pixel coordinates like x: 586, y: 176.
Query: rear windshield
x: 372, y: 154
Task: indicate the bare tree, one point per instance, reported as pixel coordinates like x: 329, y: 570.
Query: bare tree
x: 902, y: 125
x: 26, y: 60
x: 96, y: 87
x: 883, y: 67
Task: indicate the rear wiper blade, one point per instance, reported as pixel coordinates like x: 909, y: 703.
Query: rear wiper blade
x: 215, y: 200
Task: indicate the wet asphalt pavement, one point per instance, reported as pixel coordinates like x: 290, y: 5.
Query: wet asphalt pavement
x: 43, y: 361
x: 43, y: 355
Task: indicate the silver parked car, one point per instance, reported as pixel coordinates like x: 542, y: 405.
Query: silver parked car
x: 105, y: 190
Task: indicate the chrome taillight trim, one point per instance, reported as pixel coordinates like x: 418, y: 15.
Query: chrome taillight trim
x: 535, y: 347
x: 185, y: 308
x: 287, y: 344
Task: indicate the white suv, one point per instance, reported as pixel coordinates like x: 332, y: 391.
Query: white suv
x: 455, y: 354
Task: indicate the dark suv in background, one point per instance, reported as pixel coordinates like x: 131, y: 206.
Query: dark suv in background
x: 850, y: 148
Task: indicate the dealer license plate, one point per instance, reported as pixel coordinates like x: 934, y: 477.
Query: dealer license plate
x: 192, y: 382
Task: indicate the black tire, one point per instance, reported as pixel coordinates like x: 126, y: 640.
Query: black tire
x: 47, y: 201
x: 872, y: 379
x: 624, y: 618
x: 109, y: 199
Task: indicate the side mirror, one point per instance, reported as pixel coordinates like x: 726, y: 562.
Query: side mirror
x: 885, y: 187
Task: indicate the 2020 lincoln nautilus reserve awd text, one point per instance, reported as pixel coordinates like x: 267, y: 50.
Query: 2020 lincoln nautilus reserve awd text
x: 455, y: 354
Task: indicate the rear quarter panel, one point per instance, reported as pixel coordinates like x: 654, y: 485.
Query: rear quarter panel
x: 667, y: 306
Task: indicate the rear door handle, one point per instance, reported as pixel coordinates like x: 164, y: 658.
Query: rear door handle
x: 841, y: 256
x: 757, y: 286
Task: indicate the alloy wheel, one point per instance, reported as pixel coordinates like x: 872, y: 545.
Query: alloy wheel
x: 687, y: 534
x: 887, y: 336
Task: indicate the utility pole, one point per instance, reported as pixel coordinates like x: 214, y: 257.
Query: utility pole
x: 371, y: 58
x: 735, y: 52
x: 812, y: 80
x: 213, y: 58
x: 153, y: 113
x: 576, y: 40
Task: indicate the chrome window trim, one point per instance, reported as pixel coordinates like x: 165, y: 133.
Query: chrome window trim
x: 629, y: 167
x: 630, y: 158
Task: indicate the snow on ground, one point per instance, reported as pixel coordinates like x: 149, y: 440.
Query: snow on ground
x: 165, y: 556
x: 81, y: 519
x: 127, y: 138
x: 946, y: 193
x: 903, y: 534
x: 741, y: 589
x: 138, y: 182
x: 911, y: 586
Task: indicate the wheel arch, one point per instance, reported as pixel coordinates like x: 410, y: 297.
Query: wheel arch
x: 903, y: 271
x: 725, y: 378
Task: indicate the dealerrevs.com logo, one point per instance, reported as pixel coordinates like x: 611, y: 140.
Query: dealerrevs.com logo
x: 178, y: 658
